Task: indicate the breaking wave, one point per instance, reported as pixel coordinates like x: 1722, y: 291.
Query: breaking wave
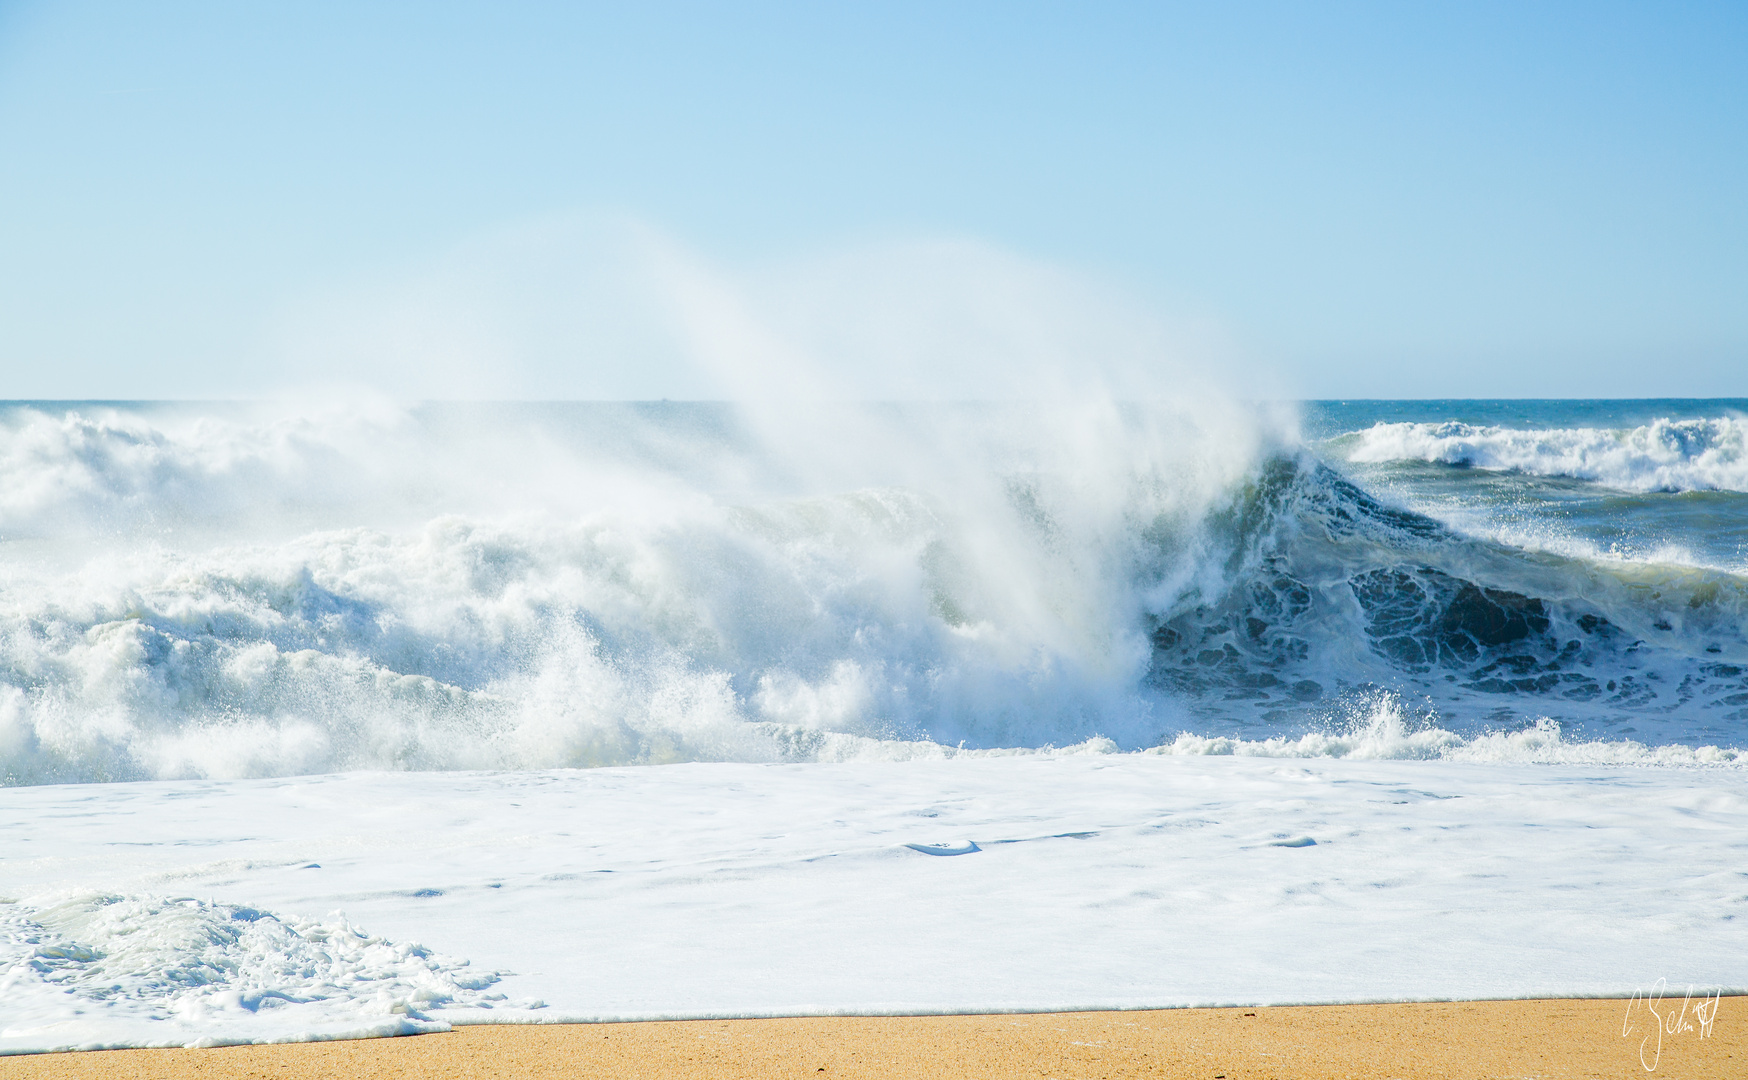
x: 1664, y: 455
x: 213, y: 592
x: 1328, y: 591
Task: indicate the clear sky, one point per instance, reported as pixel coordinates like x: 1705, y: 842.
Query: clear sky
x: 1390, y: 200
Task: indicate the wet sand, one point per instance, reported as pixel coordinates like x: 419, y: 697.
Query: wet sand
x: 1491, y: 1039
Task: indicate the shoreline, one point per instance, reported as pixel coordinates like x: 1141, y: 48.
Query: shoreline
x: 1549, y: 1038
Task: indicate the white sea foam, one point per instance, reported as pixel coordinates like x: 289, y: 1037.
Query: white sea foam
x: 217, y: 592
x: 90, y: 970
x: 1379, y: 731
x: 621, y: 590
x: 1664, y: 455
x: 1015, y: 883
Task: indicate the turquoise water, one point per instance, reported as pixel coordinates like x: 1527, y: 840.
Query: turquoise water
x: 1500, y: 564
x: 1539, y: 503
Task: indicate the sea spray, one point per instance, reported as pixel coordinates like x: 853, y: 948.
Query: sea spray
x: 229, y: 591
x: 594, y: 586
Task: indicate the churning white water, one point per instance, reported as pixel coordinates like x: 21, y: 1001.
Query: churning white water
x: 949, y: 706
x: 224, y: 592
x: 230, y: 591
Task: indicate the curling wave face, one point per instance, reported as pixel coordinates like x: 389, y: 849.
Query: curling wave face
x: 1330, y: 592
x: 227, y: 591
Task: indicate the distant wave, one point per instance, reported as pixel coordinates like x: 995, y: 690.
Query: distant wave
x: 1664, y: 455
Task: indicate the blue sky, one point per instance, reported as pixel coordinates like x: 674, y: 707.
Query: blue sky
x: 1397, y: 200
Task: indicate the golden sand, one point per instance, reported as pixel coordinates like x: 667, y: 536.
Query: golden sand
x: 1489, y: 1039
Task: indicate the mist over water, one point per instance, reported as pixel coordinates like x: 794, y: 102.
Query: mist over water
x: 1065, y: 538
x: 236, y: 590
x: 213, y: 591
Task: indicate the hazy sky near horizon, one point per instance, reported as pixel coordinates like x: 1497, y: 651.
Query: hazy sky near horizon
x: 904, y: 199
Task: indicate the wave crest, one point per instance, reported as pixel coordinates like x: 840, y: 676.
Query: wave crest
x: 678, y: 583
x: 1664, y: 455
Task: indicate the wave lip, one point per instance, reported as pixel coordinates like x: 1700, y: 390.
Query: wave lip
x: 1664, y: 455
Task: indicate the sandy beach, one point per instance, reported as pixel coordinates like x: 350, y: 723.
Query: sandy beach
x: 1488, y: 1039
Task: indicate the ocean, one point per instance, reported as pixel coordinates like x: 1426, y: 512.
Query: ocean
x: 334, y: 718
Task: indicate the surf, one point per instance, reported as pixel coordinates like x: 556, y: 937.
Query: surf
x: 258, y: 590
x: 1666, y: 454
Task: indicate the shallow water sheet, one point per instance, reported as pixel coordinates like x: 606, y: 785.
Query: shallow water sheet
x: 180, y: 912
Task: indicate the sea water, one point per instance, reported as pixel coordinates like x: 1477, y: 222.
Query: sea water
x: 877, y: 708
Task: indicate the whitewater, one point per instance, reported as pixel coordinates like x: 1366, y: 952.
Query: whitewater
x: 1664, y: 455
x: 328, y: 720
